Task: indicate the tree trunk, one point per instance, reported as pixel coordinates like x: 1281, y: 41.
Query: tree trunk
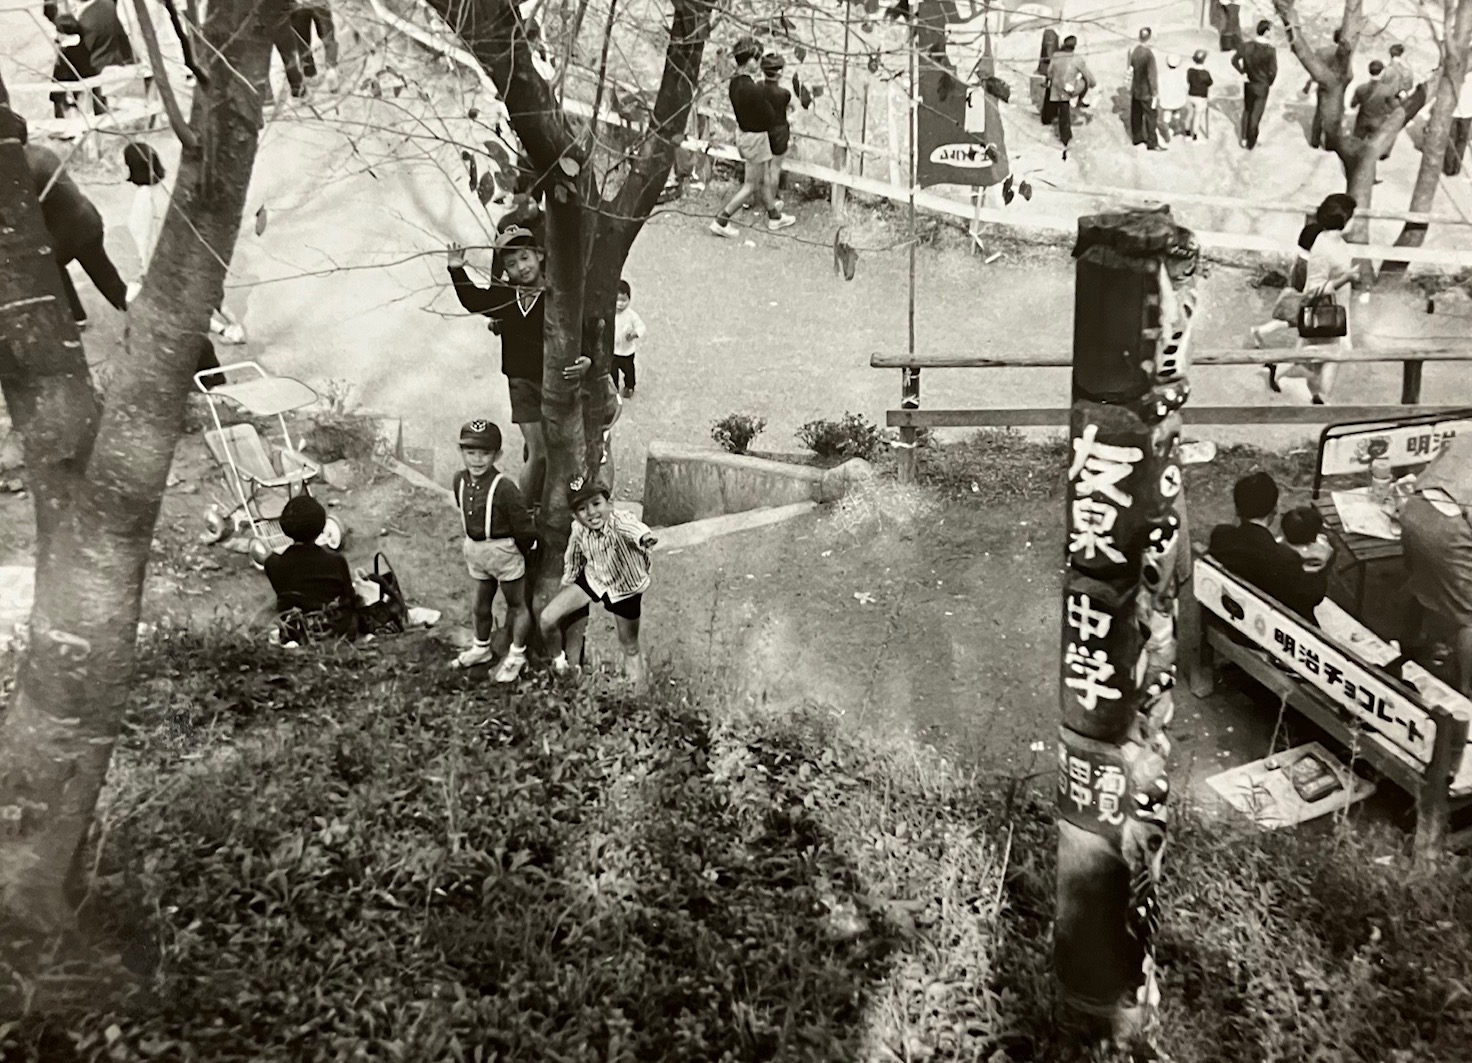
x: 98, y: 472
x: 1458, y: 37
x: 588, y: 240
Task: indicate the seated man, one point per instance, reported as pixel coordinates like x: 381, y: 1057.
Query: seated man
x: 309, y: 578
x: 1436, y: 531
x: 1250, y: 552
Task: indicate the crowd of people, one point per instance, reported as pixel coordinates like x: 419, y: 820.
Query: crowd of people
x: 1169, y: 97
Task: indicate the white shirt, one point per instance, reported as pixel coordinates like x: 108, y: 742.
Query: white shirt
x: 1329, y: 260
x: 1464, y: 98
x: 146, y: 220
x: 1172, y: 88
x: 628, y: 329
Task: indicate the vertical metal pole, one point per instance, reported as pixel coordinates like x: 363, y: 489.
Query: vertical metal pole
x: 1126, y: 532
x: 1410, y: 383
x: 910, y: 381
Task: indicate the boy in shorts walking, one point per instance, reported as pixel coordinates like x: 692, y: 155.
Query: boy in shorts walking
x: 754, y: 121
x: 781, y: 132
x: 607, y: 561
x: 498, y: 532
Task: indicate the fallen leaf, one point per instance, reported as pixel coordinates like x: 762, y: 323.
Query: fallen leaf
x: 261, y: 221
x: 569, y: 166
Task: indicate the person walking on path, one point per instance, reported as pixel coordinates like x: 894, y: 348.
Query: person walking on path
x: 1456, y: 143
x: 754, y: 121
x: 780, y: 133
x: 1144, y: 93
x: 1172, y: 96
x: 73, y: 63
x: 1198, y: 95
x: 294, y: 45
x: 1257, y: 62
x: 1398, y: 78
x: 1069, y: 81
x: 1373, y: 102
x: 146, y: 221
x: 75, y: 227
x: 1326, y: 265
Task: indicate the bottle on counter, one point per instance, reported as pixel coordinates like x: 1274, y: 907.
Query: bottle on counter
x: 1382, y: 484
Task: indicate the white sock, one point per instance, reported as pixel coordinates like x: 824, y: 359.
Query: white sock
x: 482, y: 644
x: 561, y: 658
x: 516, y: 651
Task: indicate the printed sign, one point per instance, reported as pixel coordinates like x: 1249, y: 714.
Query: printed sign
x: 1356, y: 690
x: 1092, y: 783
x: 1406, y: 444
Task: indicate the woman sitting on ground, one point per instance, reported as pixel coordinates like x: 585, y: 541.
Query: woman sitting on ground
x: 313, y: 585
x: 1436, y: 535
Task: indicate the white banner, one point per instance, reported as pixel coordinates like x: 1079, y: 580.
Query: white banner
x: 1359, y: 693
x: 1408, y: 444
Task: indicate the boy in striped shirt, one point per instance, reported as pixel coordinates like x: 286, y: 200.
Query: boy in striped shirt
x: 607, y: 561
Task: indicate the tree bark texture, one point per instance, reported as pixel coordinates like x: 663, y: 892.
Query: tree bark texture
x: 97, y: 469
x: 1456, y: 40
x: 588, y: 238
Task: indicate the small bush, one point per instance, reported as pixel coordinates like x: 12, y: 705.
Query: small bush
x: 735, y: 431
x: 854, y: 436
x: 340, y: 433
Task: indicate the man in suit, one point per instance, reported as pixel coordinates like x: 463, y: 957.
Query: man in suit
x: 1373, y: 103
x: 1144, y: 93
x: 1257, y: 62
x: 1249, y: 550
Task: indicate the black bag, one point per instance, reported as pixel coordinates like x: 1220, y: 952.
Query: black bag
x: 390, y: 614
x: 1320, y: 317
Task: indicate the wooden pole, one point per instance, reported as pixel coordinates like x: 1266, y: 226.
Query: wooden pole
x: 840, y: 151
x: 910, y: 378
x: 1126, y: 531
x: 977, y: 194
x: 895, y: 147
x: 1410, y: 383
x: 864, y: 127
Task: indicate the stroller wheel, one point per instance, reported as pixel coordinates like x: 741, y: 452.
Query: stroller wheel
x: 332, y: 535
x: 216, y: 528
x: 259, y: 550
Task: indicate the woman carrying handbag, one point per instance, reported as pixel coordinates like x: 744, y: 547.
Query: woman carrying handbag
x: 1321, y: 313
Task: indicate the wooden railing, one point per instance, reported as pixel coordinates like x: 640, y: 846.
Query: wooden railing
x: 910, y: 417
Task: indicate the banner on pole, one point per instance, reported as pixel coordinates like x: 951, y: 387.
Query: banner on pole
x: 958, y: 130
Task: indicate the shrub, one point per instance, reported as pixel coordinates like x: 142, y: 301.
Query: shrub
x: 854, y: 436
x: 735, y: 431
x: 340, y: 433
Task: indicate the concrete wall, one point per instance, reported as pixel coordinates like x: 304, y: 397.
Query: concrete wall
x: 684, y: 483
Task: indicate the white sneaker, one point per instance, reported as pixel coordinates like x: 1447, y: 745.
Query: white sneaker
x: 477, y: 654
x: 724, y: 228
x: 510, y: 667
x: 233, y: 334
x: 132, y: 293
x: 784, y: 222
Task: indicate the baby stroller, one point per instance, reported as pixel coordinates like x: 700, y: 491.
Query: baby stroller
x: 256, y: 472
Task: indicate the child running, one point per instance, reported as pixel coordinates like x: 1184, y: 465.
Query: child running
x: 607, y: 561
x: 498, y: 533
x: 628, y: 330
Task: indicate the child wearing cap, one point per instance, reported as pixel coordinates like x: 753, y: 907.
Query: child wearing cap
x: 313, y: 585
x: 498, y: 532
x: 607, y: 561
x: 781, y: 132
x: 517, y: 310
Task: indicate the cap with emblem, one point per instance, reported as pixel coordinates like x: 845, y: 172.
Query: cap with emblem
x: 515, y: 236
x: 582, y: 491
x: 481, y: 435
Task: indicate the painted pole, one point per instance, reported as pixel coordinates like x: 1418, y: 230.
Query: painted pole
x: 1133, y: 303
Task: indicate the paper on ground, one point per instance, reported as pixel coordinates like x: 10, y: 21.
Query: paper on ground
x: 1264, y: 793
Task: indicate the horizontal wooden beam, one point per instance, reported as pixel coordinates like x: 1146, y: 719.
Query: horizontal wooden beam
x: 1386, y: 351
x: 1151, y: 198
x: 1253, y: 415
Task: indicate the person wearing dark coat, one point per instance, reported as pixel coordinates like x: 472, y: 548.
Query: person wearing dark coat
x: 105, y: 39
x: 1250, y: 551
x: 75, y: 227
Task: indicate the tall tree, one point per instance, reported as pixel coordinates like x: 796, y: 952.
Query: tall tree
x: 590, y: 227
x: 97, y: 464
x: 1329, y: 66
x: 1453, y: 42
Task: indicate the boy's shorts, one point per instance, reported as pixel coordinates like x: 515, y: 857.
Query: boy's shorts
x: 755, y: 148
x: 627, y: 608
x: 494, y: 559
x: 526, y: 400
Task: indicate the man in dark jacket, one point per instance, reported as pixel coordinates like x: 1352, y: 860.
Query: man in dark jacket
x: 106, y: 40
x: 1144, y: 94
x: 1069, y: 81
x: 1249, y: 550
x: 75, y: 227
x: 1257, y: 61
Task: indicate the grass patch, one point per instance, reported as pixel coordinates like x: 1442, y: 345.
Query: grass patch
x: 364, y: 855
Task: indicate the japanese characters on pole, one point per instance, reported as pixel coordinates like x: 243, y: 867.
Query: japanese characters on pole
x: 1133, y: 304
